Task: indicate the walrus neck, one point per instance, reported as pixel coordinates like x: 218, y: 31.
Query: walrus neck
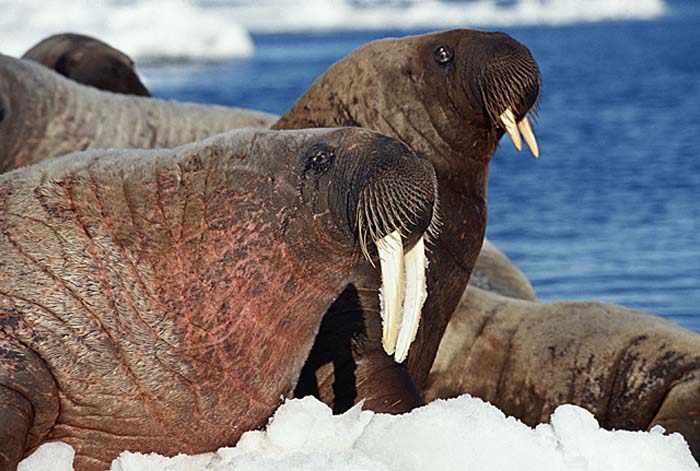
x: 462, y: 174
x: 319, y: 108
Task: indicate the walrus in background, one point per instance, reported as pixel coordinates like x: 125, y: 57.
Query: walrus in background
x: 495, y: 272
x: 165, y: 300
x: 88, y: 61
x: 450, y: 96
x: 632, y: 370
x: 46, y: 115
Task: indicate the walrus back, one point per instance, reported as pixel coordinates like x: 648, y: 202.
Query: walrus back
x: 50, y: 116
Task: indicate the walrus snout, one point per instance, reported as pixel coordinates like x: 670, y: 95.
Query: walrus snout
x: 393, y: 201
x: 509, y: 83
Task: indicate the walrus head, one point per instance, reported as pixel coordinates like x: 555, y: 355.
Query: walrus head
x: 502, y: 79
x: 89, y: 61
x: 102, y: 67
x: 377, y: 195
x: 447, y: 95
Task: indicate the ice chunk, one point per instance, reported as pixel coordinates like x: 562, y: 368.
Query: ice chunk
x: 465, y: 433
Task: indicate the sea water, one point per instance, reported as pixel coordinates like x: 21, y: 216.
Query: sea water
x: 609, y: 212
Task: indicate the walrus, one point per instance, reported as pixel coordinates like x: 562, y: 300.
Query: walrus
x: 88, y: 61
x: 450, y: 96
x: 495, y: 272
x: 631, y: 369
x: 165, y: 300
x: 47, y: 115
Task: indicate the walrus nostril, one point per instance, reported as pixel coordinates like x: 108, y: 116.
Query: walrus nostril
x: 2, y: 110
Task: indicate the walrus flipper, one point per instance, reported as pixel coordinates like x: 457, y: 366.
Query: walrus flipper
x: 680, y: 412
x: 28, y: 400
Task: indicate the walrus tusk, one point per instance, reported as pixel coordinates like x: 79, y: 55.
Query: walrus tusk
x: 529, y: 136
x: 513, y: 130
x: 416, y: 293
x: 391, y: 261
x: 508, y: 120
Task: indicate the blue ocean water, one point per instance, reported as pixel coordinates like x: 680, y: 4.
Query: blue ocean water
x: 611, y: 209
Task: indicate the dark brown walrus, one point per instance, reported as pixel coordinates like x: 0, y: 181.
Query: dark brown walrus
x: 164, y: 301
x: 88, y: 61
x: 450, y: 96
x: 630, y: 369
x: 45, y: 115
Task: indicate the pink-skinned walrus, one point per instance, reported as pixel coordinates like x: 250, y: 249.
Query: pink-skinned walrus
x: 165, y: 300
x: 45, y: 115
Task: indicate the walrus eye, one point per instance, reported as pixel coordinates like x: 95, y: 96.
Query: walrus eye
x: 443, y: 54
x: 320, y: 161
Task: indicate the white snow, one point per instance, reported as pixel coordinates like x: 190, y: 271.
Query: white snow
x: 459, y: 434
x: 216, y: 29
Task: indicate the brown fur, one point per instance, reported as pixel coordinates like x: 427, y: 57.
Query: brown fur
x: 163, y: 301
x: 88, y: 61
x: 47, y: 115
x: 396, y: 87
x: 632, y: 370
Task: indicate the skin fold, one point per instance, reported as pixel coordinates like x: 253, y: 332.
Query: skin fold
x: 166, y: 300
x: 88, y: 61
x: 631, y: 369
x: 442, y: 94
x: 46, y: 115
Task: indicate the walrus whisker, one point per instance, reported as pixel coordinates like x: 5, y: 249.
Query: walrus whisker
x: 374, y: 220
x: 388, y: 210
x: 361, y: 229
x: 392, y: 209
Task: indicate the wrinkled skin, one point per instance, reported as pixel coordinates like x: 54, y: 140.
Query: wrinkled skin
x: 164, y: 301
x: 88, y: 61
x: 447, y: 113
x: 632, y: 370
x: 47, y: 115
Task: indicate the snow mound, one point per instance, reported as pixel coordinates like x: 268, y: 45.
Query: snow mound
x: 459, y: 434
